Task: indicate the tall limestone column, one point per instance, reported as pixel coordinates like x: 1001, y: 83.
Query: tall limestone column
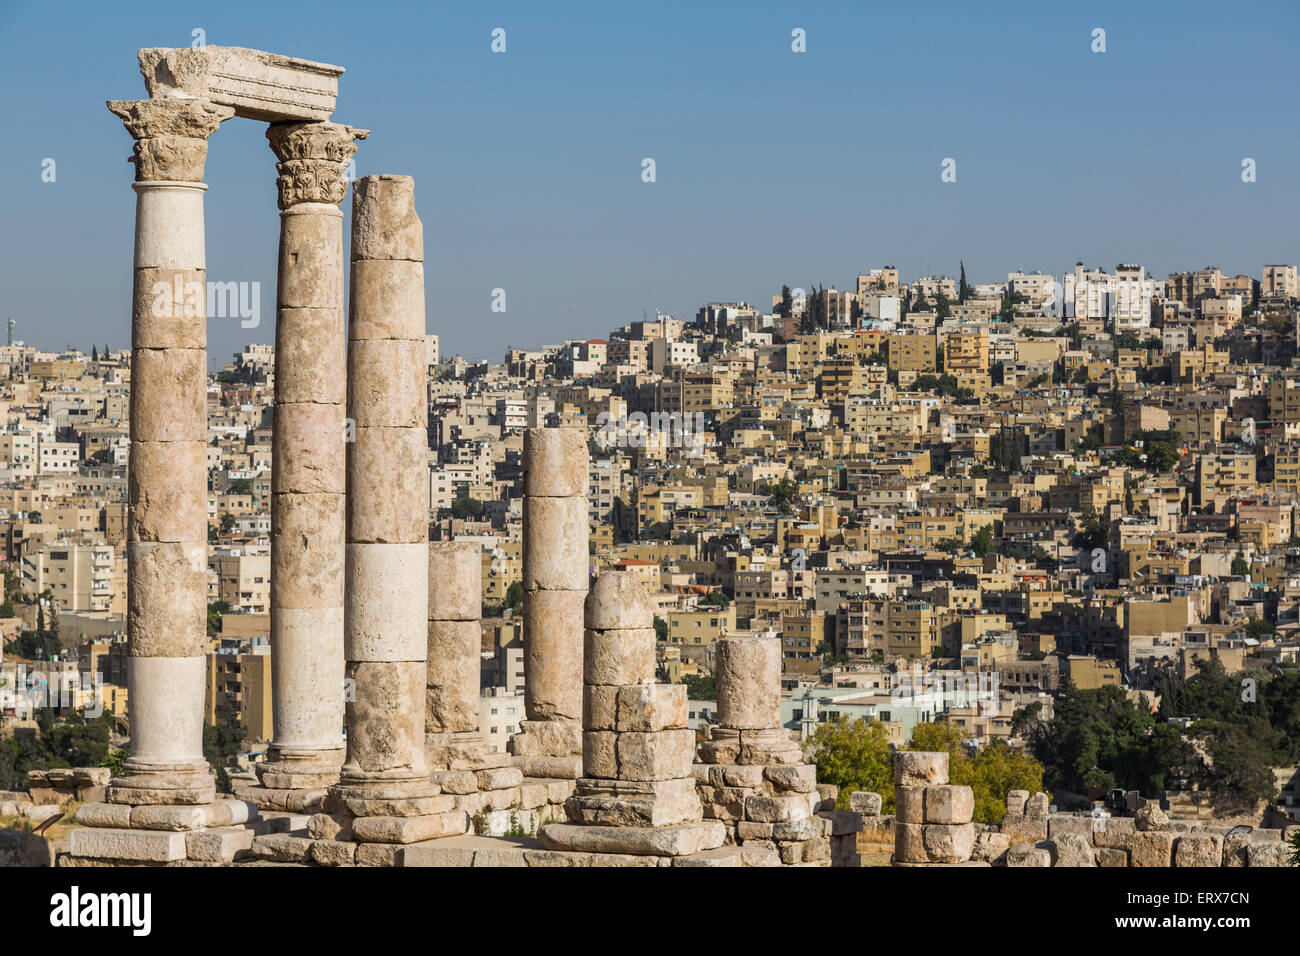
x: 556, y: 574
x: 308, y: 477
x: 168, y: 476
x: 384, y: 783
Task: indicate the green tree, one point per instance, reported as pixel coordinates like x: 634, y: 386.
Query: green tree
x: 515, y: 595
x: 990, y: 773
x: 661, y: 629
x: 215, y: 610
x: 982, y: 542
x: 700, y: 687
x: 467, y: 509
x: 854, y: 755
x: 1240, y: 566
x: 223, y: 741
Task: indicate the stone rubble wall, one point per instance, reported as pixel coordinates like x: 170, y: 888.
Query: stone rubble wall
x: 932, y: 817
x: 1031, y: 836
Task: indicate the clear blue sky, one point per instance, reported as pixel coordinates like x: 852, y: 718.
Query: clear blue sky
x: 772, y: 166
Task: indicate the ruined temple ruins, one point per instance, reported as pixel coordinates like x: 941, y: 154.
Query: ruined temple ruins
x: 373, y: 628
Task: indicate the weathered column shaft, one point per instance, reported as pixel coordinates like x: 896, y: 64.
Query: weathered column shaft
x: 308, y: 476
x: 387, y: 479
x: 167, y: 520
x: 455, y: 637
x: 748, y: 672
x: 556, y: 573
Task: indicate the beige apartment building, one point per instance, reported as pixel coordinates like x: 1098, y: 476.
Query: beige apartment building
x: 82, y: 577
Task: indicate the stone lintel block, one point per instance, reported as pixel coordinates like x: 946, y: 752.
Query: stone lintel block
x: 680, y: 840
x: 410, y: 829
x: 255, y: 84
x: 918, y: 768
x: 387, y: 301
x: 455, y: 581
x: 949, y: 804
x: 649, y: 708
x: 555, y: 462
x: 619, y: 657
x: 151, y: 846
x: 309, y: 449
x: 385, y: 611
x: 556, y: 533
x: 169, y: 308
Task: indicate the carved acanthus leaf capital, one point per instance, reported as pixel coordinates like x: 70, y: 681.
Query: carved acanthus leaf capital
x: 171, y: 135
x: 314, y: 160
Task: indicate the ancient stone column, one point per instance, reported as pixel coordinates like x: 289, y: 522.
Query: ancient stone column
x: 384, y: 781
x: 753, y: 777
x: 168, y: 476
x: 308, y: 476
x: 636, y: 794
x: 461, y: 760
x: 556, y: 573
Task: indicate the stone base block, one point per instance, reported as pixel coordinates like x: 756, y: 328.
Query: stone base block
x: 220, y: 845
x: 651, y: 804
x: 293, y: 801
x: 283, y: 848
x: 158, y: 790
x: 679, y: 840
x: 386, y: 829
x: 334, y: 853
x: 469, y: 752
x: 555, y: 768
x: 144, y: 846
x: 547, y: 738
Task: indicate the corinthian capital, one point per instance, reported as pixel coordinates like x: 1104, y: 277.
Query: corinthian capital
x: 313, y: 160
x: 171, y: 135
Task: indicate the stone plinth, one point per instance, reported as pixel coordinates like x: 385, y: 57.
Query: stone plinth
x: 636, y: 795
